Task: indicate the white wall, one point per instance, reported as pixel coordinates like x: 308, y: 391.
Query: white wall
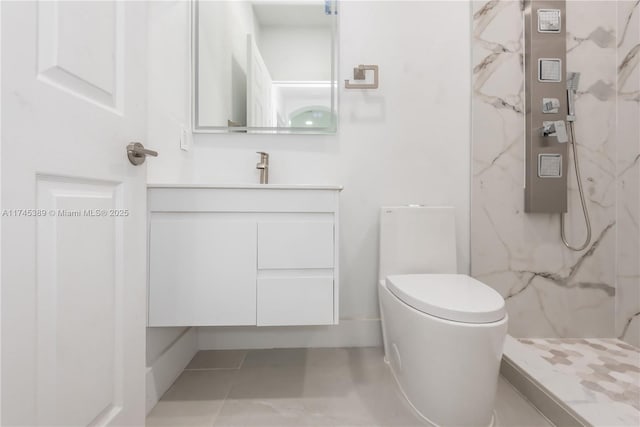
x: 297, y: 53
x: 407, y: 142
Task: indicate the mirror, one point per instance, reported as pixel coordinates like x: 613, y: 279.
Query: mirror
x: 262, y: 66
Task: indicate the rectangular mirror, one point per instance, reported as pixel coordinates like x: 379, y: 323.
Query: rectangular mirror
x: 263, y: 66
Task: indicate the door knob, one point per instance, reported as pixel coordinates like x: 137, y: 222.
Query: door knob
x: 137, y: 153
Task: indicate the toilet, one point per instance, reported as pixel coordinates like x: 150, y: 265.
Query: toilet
x: 443, y: 332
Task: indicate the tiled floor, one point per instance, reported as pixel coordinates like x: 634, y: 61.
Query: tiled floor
x: 302, y: 387
x: 595, y: 379
x: 608, y: 367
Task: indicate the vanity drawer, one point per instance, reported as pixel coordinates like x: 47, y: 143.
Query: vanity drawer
x: 295, y: 245
x: 283, y: 301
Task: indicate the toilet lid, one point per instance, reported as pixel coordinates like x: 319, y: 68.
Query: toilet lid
x: 456, y: 297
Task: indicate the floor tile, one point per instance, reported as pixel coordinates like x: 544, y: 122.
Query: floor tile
x: 333, y: 387
x: 592, y: 381
x: 183, y: 413
x: 217, y: 359
x: 308, y: 387
x: 201, y: 385
x: 194, y: 399
x: 513, y: 410
x: 354, y: 408
x: 298, y: 412
x: 293, y: 357
x: 307, y: 373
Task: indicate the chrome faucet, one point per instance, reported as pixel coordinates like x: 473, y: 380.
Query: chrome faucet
x: 263, y: 167
x: 547, y: 129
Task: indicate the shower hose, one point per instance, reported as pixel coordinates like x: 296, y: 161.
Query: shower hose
x: 587, y: 221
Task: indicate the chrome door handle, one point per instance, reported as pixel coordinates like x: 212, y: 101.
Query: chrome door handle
x: 137, y: 153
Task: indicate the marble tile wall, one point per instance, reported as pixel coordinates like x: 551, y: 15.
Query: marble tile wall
x: 550, y: 290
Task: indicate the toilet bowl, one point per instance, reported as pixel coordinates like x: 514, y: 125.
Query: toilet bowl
x: 443, y: 332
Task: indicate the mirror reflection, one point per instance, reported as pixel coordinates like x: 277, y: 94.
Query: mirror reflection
x: 265, y: 66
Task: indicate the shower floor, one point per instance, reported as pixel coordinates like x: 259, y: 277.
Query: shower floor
x: 595, y: 380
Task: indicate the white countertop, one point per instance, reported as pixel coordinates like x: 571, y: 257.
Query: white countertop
x: 252, y: 186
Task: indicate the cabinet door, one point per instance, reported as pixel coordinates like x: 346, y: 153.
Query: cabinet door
x: 202, y: 270
x: 295, y: 245
x: 295, y: 301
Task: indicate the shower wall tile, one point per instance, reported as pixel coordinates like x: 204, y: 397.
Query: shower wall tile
x: 550, y: 290
x: 628, y: 175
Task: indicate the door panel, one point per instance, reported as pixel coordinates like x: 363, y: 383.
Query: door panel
x: 73, y: 282
x: 259, y: 88
x: 79, y: 283
x: 89, y: 66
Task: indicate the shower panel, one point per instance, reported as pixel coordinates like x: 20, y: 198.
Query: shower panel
x: 546, y: 107
x: 550, y: 98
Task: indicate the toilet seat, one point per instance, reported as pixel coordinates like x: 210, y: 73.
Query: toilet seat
x: 455, y: 297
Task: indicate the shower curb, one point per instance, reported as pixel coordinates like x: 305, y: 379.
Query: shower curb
x: 555, y: 410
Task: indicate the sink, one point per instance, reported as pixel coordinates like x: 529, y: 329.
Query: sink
x: 252, y: 186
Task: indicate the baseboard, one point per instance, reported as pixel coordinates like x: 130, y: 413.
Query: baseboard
x: 169, y: 365
x: 349, y: 333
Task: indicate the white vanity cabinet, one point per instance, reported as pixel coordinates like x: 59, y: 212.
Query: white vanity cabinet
x: 263, y: 255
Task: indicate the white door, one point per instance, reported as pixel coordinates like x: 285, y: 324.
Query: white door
x: 260, y: 111
x: 73, y: 243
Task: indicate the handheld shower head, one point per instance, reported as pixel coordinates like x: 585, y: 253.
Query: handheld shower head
x: 573, y: 80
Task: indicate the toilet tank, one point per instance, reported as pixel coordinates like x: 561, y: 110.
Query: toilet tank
x: 417, y: 240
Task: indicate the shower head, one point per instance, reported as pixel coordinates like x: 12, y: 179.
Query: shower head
x: 573, y: 80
